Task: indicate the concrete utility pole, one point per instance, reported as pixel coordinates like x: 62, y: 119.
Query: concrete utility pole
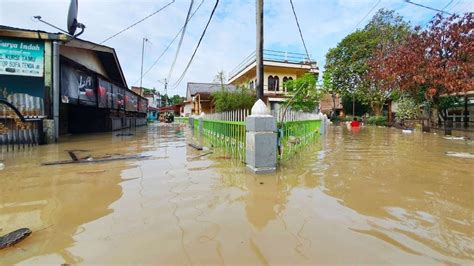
x: 141, y: 71
x: 166, y: 92
x: 259, y: 50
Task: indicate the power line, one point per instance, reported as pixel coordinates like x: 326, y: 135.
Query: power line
x: 442, y: 10
x: 181, y: 39
x: 427, y: 7
x: 299, y: 29
x: 169, y: 45
x: 134, y: 24
x: 368, y: 13
x: 197, y: 47
x: 448, y: 4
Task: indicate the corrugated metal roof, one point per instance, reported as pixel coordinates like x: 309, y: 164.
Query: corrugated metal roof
x: 206, y: 88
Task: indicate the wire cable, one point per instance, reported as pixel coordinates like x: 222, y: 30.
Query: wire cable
x: 181, y: 39
x: 366, y: 15
x: 427, y: 7
x: 299, y: 29
x: 169, y: 45
x: 134, y: 24
x: 197, y: 47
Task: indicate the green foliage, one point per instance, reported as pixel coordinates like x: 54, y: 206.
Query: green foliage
x: 347, y: 68
x: 176, y: 99
x: 149, y: 91
x: 304, y: 96
x: 407, y: 109
x: 220, y: 78
x: 377, y: 120
x: 360, y: 107
x: 242, y: 98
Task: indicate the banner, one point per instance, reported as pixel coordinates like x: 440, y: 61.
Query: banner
x: 77, y: 86
x: 21, y: 57
x: 118, y: 98
x: 104, y: 91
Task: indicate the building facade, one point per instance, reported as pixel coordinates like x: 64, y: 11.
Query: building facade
x: 279, y: 67
x: 67, y: 84
x: 154, y: 101
x: 199, y: 97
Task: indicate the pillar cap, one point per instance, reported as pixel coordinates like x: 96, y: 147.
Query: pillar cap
x: 259, y: 108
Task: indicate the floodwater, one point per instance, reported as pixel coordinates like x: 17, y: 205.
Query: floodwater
x: 373, y: 196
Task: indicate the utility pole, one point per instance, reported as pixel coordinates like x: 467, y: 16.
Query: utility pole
x: 166, y: 92
x: 141, y: 71
x: 259, y: 50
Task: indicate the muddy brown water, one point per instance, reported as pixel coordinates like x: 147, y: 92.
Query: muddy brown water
x: 374, y: 196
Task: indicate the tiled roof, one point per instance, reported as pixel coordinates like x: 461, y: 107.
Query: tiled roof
x: 206, y: 88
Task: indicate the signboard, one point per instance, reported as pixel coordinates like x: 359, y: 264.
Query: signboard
x: 103, y: 91
x: 143, y: 104
x: 77, y: 86
x: 118, y: 98
x: 69, y: 84
x: 21, y: 57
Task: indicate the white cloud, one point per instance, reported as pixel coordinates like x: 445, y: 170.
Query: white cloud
x: 230, y: 37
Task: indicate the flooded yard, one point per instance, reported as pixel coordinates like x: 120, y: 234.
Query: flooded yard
x: 373, y: 196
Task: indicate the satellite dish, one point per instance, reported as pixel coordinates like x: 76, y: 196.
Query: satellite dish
x: 72, y: 17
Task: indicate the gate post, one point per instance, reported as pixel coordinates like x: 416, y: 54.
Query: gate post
x: 191, y: 121
x: 261, y: 140
x: 201, y: 123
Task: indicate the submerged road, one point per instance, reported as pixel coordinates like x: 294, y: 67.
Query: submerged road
x: 374, y: 196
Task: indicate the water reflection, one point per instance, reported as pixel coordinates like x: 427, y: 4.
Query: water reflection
x: 374, y: 197
x: 406, y: 187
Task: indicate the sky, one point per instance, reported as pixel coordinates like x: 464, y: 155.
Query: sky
x: 229, y: 39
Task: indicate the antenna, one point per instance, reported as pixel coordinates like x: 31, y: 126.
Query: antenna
x: 72, y: 23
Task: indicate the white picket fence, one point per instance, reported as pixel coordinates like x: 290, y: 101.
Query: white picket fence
x: 235, y: 115
x: 295, y: 115
x: 240, y: 115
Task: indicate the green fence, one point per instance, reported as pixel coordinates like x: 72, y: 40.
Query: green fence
x: 181, y: 120
x: 293, y: 135
x: 227, y: 134
x: 295, y: 131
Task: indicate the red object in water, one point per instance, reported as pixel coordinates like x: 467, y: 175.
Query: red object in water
x: 355, y: 124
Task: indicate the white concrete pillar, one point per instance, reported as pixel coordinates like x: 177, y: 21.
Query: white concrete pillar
x: 261, y: 140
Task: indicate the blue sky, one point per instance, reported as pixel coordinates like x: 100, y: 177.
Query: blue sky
x: 230, y: 37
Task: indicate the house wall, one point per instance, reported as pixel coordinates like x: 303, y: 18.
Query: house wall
x: 281, y: 72
x: 87, y: 58
x: 187, y: 109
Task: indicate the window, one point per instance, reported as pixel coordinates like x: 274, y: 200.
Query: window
x: 273, y: 83
x: 286, y: 79
x: 251, y: 85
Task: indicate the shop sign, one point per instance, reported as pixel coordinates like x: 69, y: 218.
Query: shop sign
x: 21, y: 57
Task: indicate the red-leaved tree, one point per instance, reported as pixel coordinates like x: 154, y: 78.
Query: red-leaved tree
x: 438, y: 60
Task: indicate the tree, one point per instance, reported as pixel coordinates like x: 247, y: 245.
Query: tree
x: 241, y: 98
x: 175, y: 99
x: 303, y: 93
x: 347, y: 65
x: 436, y: 62
x: 220, y: 78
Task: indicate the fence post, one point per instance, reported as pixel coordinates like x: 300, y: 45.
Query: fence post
x: 201, y: 123
x: 191, y: 121
x: 261, y: 140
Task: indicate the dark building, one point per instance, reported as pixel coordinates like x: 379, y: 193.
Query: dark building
x: 70, y: 85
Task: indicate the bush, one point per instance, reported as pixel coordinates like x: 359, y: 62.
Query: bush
x: 225, y: 100
x: 377, y: 120
x: 407, y: 109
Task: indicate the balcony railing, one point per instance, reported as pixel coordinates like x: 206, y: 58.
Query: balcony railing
x: 275, y: 56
